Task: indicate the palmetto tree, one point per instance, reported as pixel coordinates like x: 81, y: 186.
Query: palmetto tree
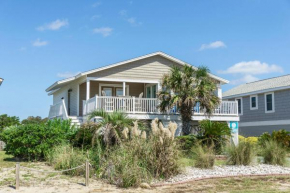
x: 184, y: 88
x: 111, y: 125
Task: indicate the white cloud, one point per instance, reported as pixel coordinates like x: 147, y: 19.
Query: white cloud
x: 133, y: 21
x: 97, y: 4
x: 252, y: 67
x: 105, y: 31
x: 123, y: 12
x: 55, y: 25
x: 213, y: 45
x: 244, y: 79
x: 39, y: 43
x: 67, y: 74
x: 95, y: 17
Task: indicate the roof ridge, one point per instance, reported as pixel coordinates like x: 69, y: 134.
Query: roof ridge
x: 268, y: 78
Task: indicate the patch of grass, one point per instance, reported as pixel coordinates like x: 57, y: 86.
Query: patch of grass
x: 7, y: 161
x: 186, y: 162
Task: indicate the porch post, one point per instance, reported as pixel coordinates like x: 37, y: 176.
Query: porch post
x: 124, y: 89
x: 88, y: 90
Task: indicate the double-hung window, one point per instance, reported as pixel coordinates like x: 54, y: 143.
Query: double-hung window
x: 269, y: 103
x: 240, y: 105
x: 254, y: 102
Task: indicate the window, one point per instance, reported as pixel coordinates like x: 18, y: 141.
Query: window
x: 119, y: 91
x: 108, y: 91
x: 240, y: 105
x: 269, y: 103
x: 254, y: 102
x: 151, y: 90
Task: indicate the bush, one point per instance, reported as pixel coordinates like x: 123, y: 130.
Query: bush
x: 242, y: 154
x: 7, y: 121
x: 214, y: 133
x: 282, y: 136
x: 86, y: 135
x: 139, y: 158
x: 33, y: 141
x: 204, y: 156
x: 186, y: 142
x: 64, y: 157
x: 274, y: 153
x: 252, y: 140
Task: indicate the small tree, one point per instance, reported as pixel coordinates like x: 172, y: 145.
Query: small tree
x: 6, y: 121
x: 34, y: 120
x: 184, y: 88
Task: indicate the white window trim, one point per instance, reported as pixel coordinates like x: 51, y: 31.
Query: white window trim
x: 254, y: 108
x: 241, y: 98
x: 273, y: 102
x: 114, y: 86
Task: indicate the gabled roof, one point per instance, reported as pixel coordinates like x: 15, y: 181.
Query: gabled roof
x: 50, y: 88
x: 262, y: 86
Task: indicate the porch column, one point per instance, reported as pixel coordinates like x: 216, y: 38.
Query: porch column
x: 124, y: 88
x: 88, y: 90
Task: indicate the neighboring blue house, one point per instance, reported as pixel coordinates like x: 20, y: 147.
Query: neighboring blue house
x: 263, y: 105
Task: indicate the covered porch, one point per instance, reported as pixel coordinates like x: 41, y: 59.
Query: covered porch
x: 111, y: 94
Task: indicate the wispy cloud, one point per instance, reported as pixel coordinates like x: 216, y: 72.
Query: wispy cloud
x: 213, y: 45
x: 132, y: 20
x: 244, y: 79
x: 55, y: 25
x: 23, y: 49
x: 67, y: 74
x: 104, y: 31
x: 123, y: 12
x: 252, y: 67
x: 95, y: 17
x: 39, y: 43
x: 97, y: 4
x: 249, y: 70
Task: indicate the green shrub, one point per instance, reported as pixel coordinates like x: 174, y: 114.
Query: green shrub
x: 242, y: 154
x: 64, y: 157
x: 7, y: 121
x: 274, y: 153
x: 86, y: 135
x: 139, y: 158
x: 186, y: 142
x: 204, y: 156
x: 32, y: 141
x: 213, y: 133
x: 282, y: 136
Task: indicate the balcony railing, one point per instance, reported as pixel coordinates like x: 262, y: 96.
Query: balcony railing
x: 58, y: 110
x: 135, y: 105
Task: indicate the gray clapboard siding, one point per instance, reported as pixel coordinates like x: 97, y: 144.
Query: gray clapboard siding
x: 259, y: 130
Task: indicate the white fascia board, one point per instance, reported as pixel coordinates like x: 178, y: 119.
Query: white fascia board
x: 53, y: 91
x: 257, y: 92
x: 133, y: 60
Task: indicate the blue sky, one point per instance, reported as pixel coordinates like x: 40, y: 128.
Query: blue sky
x: 44, y: 41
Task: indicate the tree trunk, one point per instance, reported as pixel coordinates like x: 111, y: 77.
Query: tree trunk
x: 186, y: 113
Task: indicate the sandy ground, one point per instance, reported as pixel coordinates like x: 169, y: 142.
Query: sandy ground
x: 32, y: 181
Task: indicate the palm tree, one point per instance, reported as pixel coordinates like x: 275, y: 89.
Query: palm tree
x: 111, y: 125
x: 184, y: 88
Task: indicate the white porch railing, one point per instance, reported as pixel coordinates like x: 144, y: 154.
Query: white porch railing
x: 147, y: 105
x: 125, y: 104
x: 58, y: 110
